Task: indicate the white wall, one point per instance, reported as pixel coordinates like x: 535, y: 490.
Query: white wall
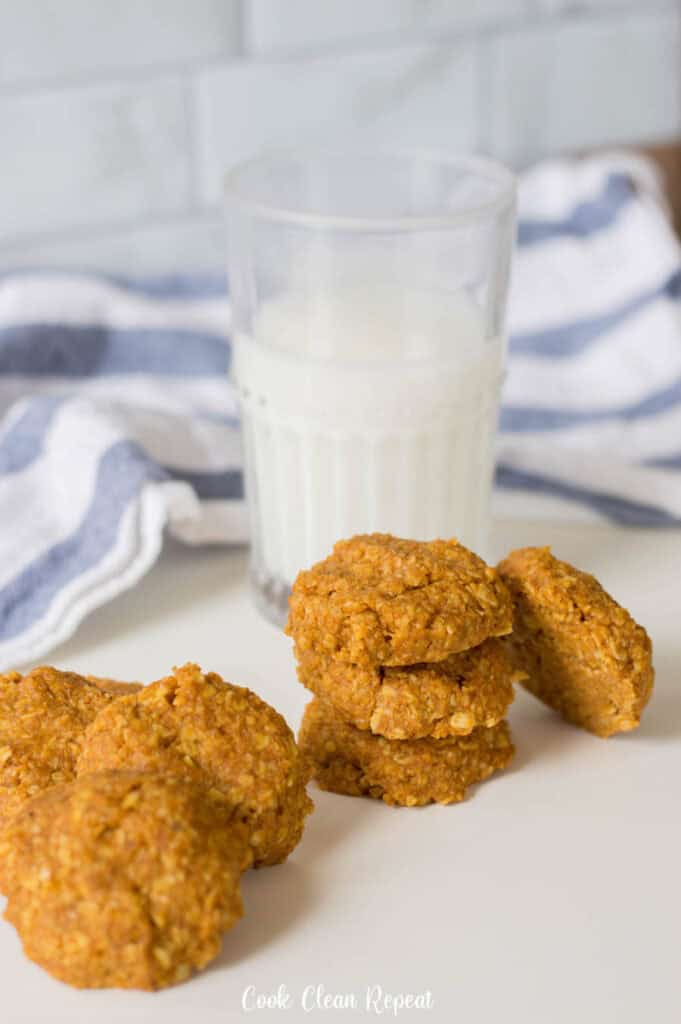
x: 117, y: 120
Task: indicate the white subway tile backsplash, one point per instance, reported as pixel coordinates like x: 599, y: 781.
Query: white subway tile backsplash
x: 414, y: 96
x: 275, y: 26
x: 43, y: 40
x: 126, y: 174
x: 195, y: 244
x: 582, y: 83
x: 89, y: 156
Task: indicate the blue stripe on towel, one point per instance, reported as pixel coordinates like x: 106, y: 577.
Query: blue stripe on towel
x: 175, y: 286
x: 619, y: 510
x: 25, y: 439
x: 665, y: 461
x: 162, y: 286
x: 226, y: 485
x: 585, y: 219
x: 123, y: 471
x: 24, y: 442
x: 522, y: 419
x: 65, y: 350
x: 571, y: 339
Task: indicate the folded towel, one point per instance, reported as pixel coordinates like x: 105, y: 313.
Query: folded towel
x: 591, y: 420
x: 118, y: 420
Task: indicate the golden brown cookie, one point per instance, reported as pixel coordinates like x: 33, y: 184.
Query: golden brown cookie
x: 123, y: 880
x: 199, y: 727
x: 407, y: 772
x: 379, y: 600
x: 43, y: 716
x: 583, y: 653
x: 445, y: 698
x: 114, y: 686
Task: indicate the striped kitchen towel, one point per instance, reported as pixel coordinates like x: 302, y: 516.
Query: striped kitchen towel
x: 591, y: 418
x: 118, y: 422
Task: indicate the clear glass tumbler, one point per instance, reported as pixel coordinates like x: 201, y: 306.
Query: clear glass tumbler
x: 368, y: 294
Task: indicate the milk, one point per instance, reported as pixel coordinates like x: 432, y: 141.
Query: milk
x: 369, y: 409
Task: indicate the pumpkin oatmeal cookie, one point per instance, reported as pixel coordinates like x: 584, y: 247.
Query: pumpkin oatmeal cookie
x: 446, y: 698
x: 43, y: 716
x: 123, y: 880
x: 379, y: 600
x: 199, y: 727
x: 583, y: 653
x: 406, y: 772
x: 114, y: 686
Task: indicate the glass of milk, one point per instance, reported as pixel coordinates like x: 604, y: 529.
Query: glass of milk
x: 368, y: 295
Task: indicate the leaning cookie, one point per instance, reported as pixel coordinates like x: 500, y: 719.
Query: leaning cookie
x: 43, y: 716
x: 123, y: 880
x: 199, y: 727
x: 583, y: 653
x: 353, y: 762
x: 380, y: 600
x: 445, y: 698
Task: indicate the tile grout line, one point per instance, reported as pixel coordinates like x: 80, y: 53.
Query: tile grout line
x: 192, y: 142
x: 483, y: 95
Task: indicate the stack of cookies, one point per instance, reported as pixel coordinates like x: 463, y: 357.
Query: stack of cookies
x: 399, y: 642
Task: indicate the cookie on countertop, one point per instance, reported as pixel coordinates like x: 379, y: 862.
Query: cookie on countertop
x: 353, y: 762
x: 583, y: 653
x: 123, y: 880
x: 447, y: 698
x: 199, y: 727
x: 380, y: 600
x: 43, y: 716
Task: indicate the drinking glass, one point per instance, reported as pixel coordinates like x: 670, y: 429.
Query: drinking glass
x: 368, y: 294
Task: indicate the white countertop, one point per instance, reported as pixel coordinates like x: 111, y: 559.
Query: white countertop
x: 551, y: 895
